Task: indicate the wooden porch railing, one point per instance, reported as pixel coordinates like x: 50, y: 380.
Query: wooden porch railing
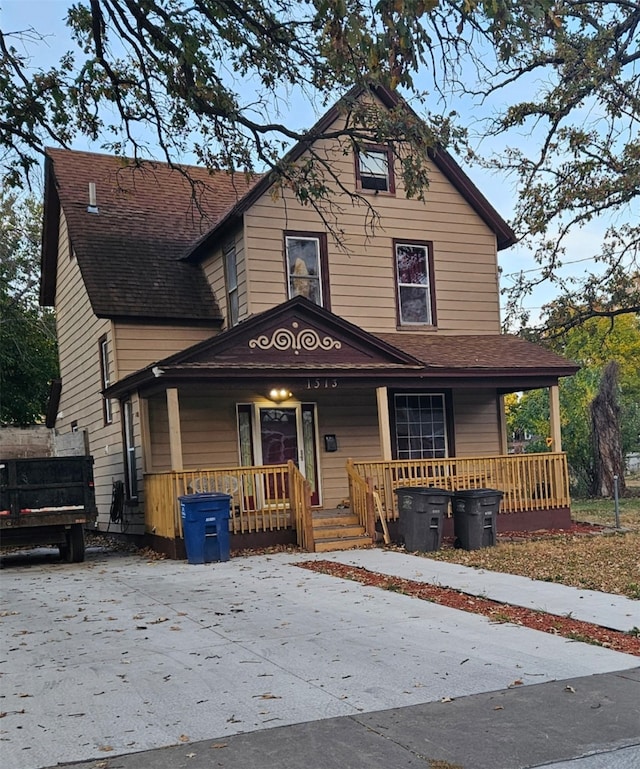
x: 300, y: 495
x: 263, y: 498
x: 528, y: 481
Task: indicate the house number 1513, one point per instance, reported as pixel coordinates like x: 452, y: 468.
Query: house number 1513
x: 321, y: 384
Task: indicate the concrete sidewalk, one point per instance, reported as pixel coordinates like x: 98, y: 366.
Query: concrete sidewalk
x: 582, y: 723
x: 611, y: 611
x: 120, y: 655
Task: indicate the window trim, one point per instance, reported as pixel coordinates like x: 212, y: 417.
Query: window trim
x: 449, y: 419
x: 321, y: 237
x: 428, y: 244
x: 103, y: 352
x: 381, y: 149
x: 231, y: 289
x: 129, y: 450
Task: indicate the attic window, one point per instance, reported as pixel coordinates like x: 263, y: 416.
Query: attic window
x: 374, y: 168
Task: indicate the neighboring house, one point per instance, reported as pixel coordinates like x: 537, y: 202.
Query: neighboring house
x: 214, y: 336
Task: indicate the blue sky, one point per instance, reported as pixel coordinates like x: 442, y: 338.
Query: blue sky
x: 47, y: 17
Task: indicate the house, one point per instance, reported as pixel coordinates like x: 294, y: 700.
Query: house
x: 215, y: 335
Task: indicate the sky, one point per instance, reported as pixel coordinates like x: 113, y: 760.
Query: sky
x: 47, y: 17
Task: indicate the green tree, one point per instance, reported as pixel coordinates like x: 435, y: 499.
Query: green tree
x: 564, y: 75
x: 28, y: 351
x: 593, y: 345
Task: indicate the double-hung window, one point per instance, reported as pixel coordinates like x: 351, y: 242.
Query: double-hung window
x: 414, y: 280
x: 131, y: 473
x: 105, y: 379
x: 307, y: 266
x: 420, y: 425
x: 374, y: 168
x: 231, y: 277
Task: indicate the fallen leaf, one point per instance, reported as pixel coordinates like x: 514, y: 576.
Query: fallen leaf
x: 499, y: 707
x: 105, y: 748
x: 569, y: 689
x: 267, y: 696
x: 183, y: 738
x: 517, y: 682
x: 190, y: 755
x: 447, y: 699
x: 218, y: 745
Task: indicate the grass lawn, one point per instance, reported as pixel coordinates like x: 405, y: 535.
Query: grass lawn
x: 609, y: 562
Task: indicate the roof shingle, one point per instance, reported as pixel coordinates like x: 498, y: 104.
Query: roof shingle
x: 148, y: 216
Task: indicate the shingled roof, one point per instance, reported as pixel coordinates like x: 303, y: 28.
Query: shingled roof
x: 492, y: 353
x: 129, y: 251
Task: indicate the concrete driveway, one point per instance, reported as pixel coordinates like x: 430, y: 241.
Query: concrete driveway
x: 121, y: 654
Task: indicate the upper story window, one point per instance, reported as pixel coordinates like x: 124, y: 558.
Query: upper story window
x: 414, y: 278
x: 307, y: 266
x: 231, y: 279
x: 105, y: 379
x: 374, y: 168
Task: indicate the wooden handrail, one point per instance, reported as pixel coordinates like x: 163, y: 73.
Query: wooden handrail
x: 300, y: 495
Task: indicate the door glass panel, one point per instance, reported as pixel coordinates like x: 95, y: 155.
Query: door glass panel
x: 278, y: 435
x: 309, y: 442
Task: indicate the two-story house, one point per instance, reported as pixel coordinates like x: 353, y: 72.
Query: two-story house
x: 216, y: 334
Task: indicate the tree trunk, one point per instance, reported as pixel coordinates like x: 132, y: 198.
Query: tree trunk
x: 605, y: 431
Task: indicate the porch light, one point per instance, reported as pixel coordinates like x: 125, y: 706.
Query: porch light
x: 279, y: 394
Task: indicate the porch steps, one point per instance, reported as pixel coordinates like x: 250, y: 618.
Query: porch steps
x: 338, y: 530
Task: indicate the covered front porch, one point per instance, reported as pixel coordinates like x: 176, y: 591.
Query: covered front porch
x: 273, y: 503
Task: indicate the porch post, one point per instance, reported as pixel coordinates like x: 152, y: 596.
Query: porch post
x: 384, y: 427
x: 175, y: 437
x: 145, y: 435
x: 502, y: 421
x: 554, y: 418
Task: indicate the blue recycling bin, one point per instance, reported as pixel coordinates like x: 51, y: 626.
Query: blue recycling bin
x: 205, y: 526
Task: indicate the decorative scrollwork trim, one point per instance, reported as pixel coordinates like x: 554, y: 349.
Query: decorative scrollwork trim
x: 306, y: 339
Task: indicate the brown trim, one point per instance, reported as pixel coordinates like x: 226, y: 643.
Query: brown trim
x: 107, y: 409
x: 324, y: 263
x: 55, y: 390
x: 428, y: 244
x: 380, y: 148
x: 50, y: 237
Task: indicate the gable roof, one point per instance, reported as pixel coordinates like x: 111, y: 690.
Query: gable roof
x: 299, y: 340
x: 505, y: 236
x: 128, y: 252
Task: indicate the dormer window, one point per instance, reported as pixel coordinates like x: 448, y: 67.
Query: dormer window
x: 374, y: 168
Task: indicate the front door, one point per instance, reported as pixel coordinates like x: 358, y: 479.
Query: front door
x: 289, y: 433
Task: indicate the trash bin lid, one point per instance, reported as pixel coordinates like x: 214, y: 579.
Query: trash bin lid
x: 423, y: 491
x: 476, y: 493
x: 204, y: 496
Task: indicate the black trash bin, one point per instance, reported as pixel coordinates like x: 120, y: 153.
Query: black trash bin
x: 475, y: 513
x: 205, y: 526
x: 422, y: 511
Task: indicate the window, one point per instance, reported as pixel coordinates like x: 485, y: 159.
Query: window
x: 420, y: 426
x: 307, y: 267
x: 414, y: 268
x: 104, y: 374
x: 131, y: 474
x: 374, y: 168
x: 231, y: 278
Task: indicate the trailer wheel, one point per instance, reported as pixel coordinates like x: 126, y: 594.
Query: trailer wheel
x: 73, y: 549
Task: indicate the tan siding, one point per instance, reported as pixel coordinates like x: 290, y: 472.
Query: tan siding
x: 138, y: 345
x: 78, y: 334
x: 362, y: 280
x: 476, y: 420
x: 213, y: 267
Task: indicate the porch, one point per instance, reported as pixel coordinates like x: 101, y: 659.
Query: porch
x: 272, y: 503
